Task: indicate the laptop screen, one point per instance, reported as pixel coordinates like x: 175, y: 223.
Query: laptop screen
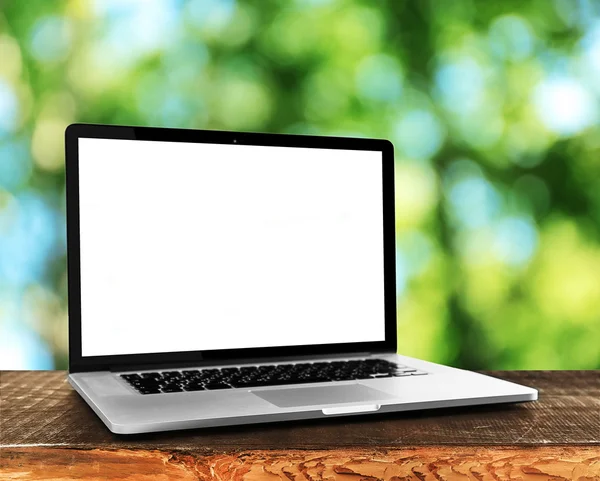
x: 197, y: 246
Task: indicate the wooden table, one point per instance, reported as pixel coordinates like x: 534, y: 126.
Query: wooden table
x: 49, y: 433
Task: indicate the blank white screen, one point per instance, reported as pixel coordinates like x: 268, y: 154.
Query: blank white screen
x: 190, y: 247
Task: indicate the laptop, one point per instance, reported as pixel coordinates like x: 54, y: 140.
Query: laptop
x: 225, y: 278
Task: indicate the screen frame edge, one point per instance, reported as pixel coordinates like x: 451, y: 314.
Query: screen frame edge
x: 79, y: 363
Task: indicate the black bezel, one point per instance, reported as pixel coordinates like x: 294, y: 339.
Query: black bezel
x: 77, y: 363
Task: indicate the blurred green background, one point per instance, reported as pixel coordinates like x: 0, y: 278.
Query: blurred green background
x: 493, y: 107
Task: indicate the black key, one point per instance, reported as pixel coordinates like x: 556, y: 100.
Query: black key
x: 194, y: 387
x: 190, y: 373
x: 150, y: 375
x: 170, y: 383
x: 310, y: 380
x: 241, y: 385
x: 296, y: 381
x: 148, y: 385
x: 171, y: 389
x: 209, y: 371
x: 246, y: 384
x: 230, y: 370
x: 302, y: 366
x: 247, y: 369
x: 149, y: 391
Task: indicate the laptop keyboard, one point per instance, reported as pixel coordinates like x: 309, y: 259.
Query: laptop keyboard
x: 265, y: 375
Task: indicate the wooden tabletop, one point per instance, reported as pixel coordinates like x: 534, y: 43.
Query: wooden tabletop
x: 49, y: 432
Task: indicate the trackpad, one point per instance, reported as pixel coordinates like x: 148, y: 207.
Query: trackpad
x: 311, y: 396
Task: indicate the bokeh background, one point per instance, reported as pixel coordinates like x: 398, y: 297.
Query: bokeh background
x: 493, y: 107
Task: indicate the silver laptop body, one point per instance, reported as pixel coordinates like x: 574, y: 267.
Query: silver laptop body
x: 220, y: 278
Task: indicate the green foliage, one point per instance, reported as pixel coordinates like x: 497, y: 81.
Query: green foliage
x: 492, y: 106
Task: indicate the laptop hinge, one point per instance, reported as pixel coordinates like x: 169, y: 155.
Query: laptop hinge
x: 223, y: 362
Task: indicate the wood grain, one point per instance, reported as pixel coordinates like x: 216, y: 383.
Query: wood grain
x: 418, y: 464
x: 41, y: 409
x: 49, y: 433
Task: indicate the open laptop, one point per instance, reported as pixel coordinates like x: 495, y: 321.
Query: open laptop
x: 220, y: 278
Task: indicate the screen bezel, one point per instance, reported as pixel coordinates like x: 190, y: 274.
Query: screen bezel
x: 78, y: 363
